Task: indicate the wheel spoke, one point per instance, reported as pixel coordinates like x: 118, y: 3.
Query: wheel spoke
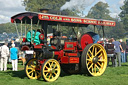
x: 89, y: 60
x: 50, y: 75
x: 32, y: 65
x: 88, y: 63
x: 55, y: 65
x: 30, y: 72
x: 88, y: 55
x: 30, y: 68
x: 57, y: 69
x: 37, y: 72
x: 46, y: 67
x: 91, y: 52
x: 100, y: 55
x: 98, y: 52
x: 49, y: 64
x: 90, y: 66
x: 45, y: 71
x: 95, y: 51
x: 103, y: 60
x: 99, y: 64
x: 95, y: 67
x: 92, y: 49
x: 92, y: 70
x: 46, y: 74
x: 52, y: 64
x: 55, y: 74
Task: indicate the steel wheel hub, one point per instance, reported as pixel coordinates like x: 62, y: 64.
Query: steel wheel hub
x: 95, y: 60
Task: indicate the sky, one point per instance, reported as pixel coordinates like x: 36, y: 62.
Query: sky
x: 9, y: 8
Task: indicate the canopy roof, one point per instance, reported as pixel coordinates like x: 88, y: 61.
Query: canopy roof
x: 53, y: 19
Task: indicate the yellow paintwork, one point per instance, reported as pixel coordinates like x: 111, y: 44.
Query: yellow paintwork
x: 51, y: 70
x: 96, y: 69
x: 31, y: 71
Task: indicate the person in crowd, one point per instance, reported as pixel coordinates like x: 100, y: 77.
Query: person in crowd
x: 14, y: 58
x: 118, y: 50
x: 123, y: 59
x: 109, y: 47
x: 4, y: 56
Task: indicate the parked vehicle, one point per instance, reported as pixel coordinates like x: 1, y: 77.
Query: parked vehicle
x: 72, y: 56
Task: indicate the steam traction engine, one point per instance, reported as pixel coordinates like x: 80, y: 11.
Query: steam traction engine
x: 72, y: 56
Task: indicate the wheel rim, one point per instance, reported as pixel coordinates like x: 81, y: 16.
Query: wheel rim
x: 51, y: 70
x: 32, y: 70
x: 96, y: 60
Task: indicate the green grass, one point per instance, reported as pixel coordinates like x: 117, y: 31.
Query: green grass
x: 112, y: 76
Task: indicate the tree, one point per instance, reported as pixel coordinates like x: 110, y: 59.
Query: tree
x: 99, y: 11
x: 35, y: 5
x: 124, y: 14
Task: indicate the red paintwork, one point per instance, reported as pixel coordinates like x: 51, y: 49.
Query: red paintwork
x: 61, y: 18
x: 41, y: 36
x: 71, y: 47
x: 73, y: 59
x: 41, y: 62
x: 85, y: 40
x: 25, y: 48
x: 72, y: 54
x: 64, y: 60
x: 38, y: 46
x: 53, y: 47
x: 101, y: 42
x: 24, y: 39
x: 51, y: 17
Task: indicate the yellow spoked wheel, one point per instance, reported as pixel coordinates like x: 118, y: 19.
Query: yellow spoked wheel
x: 50, y: 70
x: 94, y: 60
x: 32, y: 70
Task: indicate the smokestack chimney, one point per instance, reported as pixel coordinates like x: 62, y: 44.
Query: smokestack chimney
x: 44, y: 10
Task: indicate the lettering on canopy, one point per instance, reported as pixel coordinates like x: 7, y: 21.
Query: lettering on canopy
x: 75, y: 20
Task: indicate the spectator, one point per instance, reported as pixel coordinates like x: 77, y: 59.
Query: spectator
x: 117, y: 52
x: 14, y: 58
x: 110, y: 51
x: 4, y: 56
x: 123, y: 59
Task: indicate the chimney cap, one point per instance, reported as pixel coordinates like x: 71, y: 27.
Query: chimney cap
x: 44, y: 10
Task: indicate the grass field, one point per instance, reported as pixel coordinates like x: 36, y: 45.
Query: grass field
x: 112, y: 76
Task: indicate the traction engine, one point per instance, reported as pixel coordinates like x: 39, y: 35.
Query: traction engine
x: 72, y: 56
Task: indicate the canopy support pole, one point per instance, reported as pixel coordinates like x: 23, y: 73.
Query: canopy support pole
x: 44, y: 27
x: 94, y: 27
x: 31, y: 31
x: 16, y: 29
x: 21, y: 28
x: 25, y: 29
x: 103, y: 33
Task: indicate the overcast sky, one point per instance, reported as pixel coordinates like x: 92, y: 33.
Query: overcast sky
x: 9, y: 8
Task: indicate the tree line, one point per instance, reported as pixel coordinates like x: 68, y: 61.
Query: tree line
x: 98, y: 11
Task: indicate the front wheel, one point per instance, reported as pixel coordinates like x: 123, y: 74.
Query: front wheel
x: 94, y: 60
x: 50, y: 70
x: 32, y: 70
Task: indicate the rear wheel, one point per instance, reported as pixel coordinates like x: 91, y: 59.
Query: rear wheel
x: 32, y: 70
x: 50, y: 70
x: 94, y: 60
